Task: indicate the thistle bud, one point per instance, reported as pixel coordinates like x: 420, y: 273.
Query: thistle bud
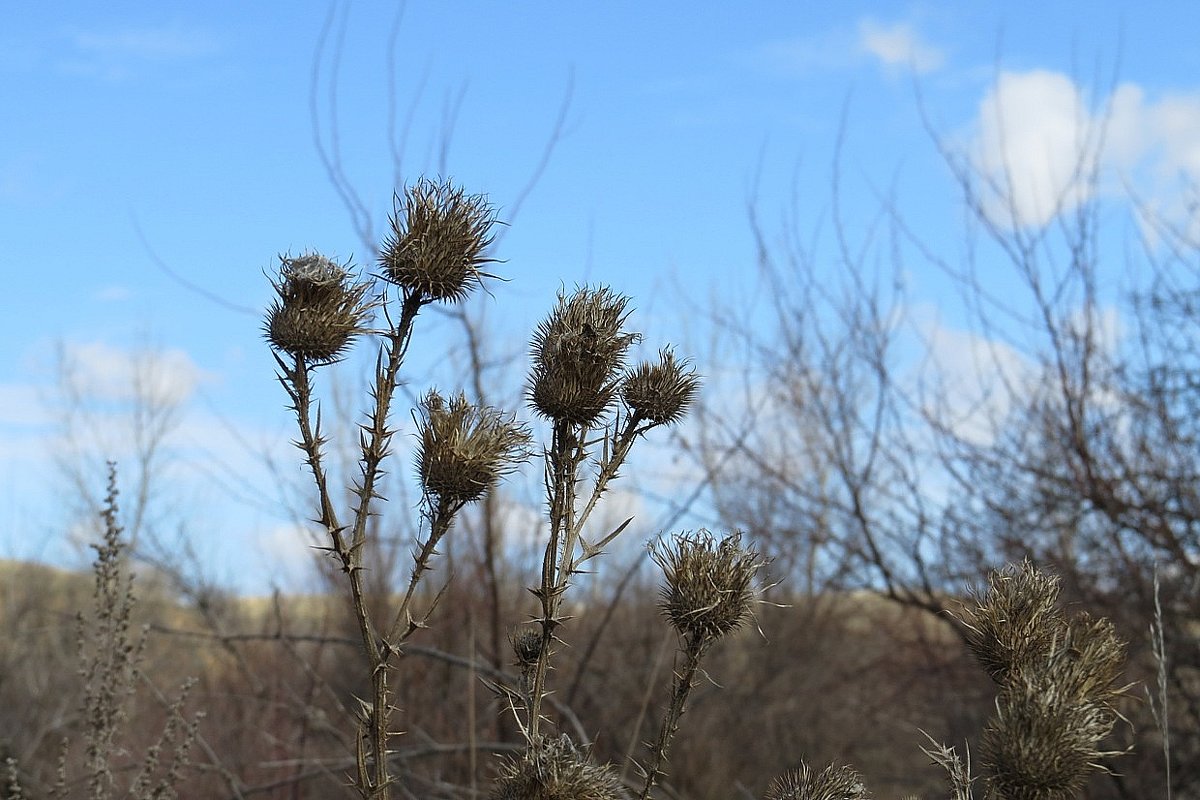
x: 527, y: 645
x: 662, y: 392
x: 578, y: 354
x: 708, y: 587
x: 831, y: 783
x: 554, y: 769
x: 318, y: 309
x: 437, y: 241
x: 464, y: 449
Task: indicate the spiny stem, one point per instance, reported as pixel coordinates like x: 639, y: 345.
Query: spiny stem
x: 681, y: 688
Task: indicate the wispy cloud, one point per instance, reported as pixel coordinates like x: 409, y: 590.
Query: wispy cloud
x: 802, y: 55
x: 893, y: 45
x: 898, y: 45
x: 118, y: 53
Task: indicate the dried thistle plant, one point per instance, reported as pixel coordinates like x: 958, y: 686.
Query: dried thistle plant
x: 708, y: 591
x: 1015, y: 621
x: 464, y: 449
x: 833, y: 782
x: 437, y: 245
x: 577, y: 371
x: 435, y: 252
x: 1058, y: 684
x: 578, y: 354
x: 660, y: 392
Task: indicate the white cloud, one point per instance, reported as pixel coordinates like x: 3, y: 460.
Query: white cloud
x: 104, y: 372
x: 1038, y: 144
x: 898, y: 45
x: 972, y: 382
x: 1033, y: 142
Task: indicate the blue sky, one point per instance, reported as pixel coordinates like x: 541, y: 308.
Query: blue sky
x: 140, y: 141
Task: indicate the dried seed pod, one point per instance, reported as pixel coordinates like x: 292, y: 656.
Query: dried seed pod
x: 708, y: 587
x: 464, y: 449
x: 554, y: 769
x: 660, y: 392
x: 438, y: 238
x: 578, y: 354
x: 831, y: 783
x: 1016, y: 621
x: 318, y: 309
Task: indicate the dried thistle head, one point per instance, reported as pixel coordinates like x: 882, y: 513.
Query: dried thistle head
x: 708, y: 587
x: 318, y: 310
x: 660, y: 392
x: 438, y: 238
x: 578, y: 354
x: 554, y: 769
x: 464, y: 449
x: 831, y: 783
x: 1090, y: 660
x: 1016, y: 621
x: 1042, y: 743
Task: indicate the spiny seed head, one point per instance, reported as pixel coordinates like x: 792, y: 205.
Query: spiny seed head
x: 578, y: 354
x: 527, y: 645
x: 708, y: 587
x: 1016, y: 621
x: 318, y: 310
x: 1041, y: 743
x: 660, y: 392
x: 464, y: 449
x: 831, y: 783
x: 553, y: 769
x: 439, y: 235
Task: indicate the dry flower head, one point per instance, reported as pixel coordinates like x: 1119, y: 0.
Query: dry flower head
x: 662, y: 392
x: 438, y: 240
x: 578, y: 354
x: 708, y: 587
x: 318, y: 309
x: 464, y: 448
x: 831, y: 783
x: 554, y: 769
